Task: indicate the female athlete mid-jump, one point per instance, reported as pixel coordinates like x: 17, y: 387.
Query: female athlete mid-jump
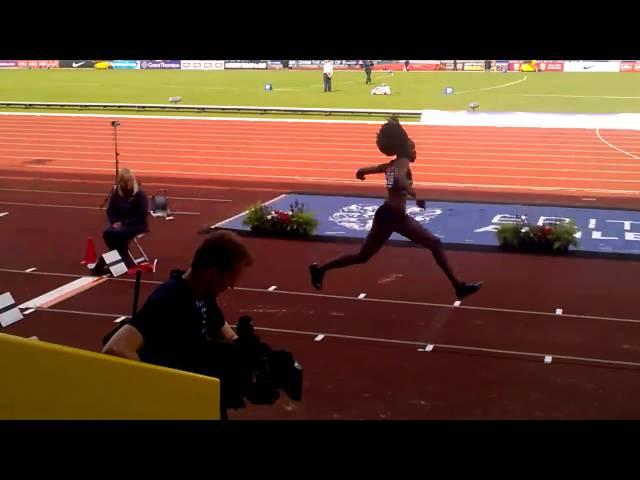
x: 393, y: 140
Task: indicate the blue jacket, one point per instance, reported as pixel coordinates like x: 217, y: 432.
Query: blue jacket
x: 132, y: 211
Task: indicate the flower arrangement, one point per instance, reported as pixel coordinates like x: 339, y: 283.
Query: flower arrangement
x: 296, y: 222
x: 553, y: 237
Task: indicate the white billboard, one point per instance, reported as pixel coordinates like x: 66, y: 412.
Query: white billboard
x: 586, y: 66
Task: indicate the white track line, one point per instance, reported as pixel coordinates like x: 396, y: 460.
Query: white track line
x: 65, y: 192
x: 51, y: 274
x: 159, y: 121
x: 491, y: 88
x: 160, y: 183
x: 229, y: 219
x: 440, y: 347
x: 350, y: 141
x: 424, y: 169
x: 100, y: 128
x: 575, y: 96
x: 76, y: 131
x: 355, y: 185
x: 73, y: 206
x: 277, y: 141
x: 369, y: 299
x: 300, y: 178
x: 242, y: 213
x: 614, y: 147
x: 452, y: 155
x: 4, y: 214
x: 430, y: 150
x: 320, y: 146
x: 441, y: 305
x: 358, y: 184
x: 449, y: 158
x: 78, y: 312
x: 272, y: 140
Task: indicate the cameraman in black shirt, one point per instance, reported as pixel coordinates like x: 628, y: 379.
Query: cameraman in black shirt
x: 181, y: 326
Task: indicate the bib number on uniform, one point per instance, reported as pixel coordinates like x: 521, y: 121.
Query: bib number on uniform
x: 390, y: 176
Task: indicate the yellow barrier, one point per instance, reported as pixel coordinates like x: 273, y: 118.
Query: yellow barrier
x: 42, y: 381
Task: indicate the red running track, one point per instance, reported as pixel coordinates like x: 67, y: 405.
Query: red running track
x: 572, y: 161
x: 488, y: 355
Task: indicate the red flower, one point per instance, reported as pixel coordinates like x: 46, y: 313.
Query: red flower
x: 547, y: 230
x: 284, y: 217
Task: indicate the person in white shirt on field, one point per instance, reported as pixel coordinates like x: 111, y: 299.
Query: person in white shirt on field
x: 327, y: 74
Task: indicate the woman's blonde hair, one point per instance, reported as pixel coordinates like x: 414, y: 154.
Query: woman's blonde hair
x: 126, y: 176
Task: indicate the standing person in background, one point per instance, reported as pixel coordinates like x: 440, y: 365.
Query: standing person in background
x: 368, y: 65
x: 327, y: 74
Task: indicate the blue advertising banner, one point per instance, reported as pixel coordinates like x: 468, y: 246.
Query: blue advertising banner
x: 472, y: 224
x: 125, y: 64
x: 160, y: 64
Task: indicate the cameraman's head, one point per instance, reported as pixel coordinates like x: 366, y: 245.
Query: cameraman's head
x: 219, y: 263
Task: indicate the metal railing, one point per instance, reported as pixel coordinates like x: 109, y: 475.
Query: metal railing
x: 215, y: 108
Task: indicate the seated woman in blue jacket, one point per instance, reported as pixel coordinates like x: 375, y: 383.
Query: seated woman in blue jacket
x: 127, y: 217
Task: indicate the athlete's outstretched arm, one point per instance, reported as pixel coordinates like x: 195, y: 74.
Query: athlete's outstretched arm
x: 362, y: 172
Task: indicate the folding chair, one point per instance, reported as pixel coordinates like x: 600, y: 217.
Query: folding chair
x: 136, y: 242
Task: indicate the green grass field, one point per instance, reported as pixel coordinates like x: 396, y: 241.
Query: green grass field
x: 539, y: 92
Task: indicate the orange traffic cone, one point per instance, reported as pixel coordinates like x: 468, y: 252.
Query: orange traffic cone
x: 90, y: 257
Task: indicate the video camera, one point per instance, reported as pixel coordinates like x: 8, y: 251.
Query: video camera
x: 273, y: 370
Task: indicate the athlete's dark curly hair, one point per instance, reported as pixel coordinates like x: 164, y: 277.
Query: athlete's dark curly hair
x: 392, y: 139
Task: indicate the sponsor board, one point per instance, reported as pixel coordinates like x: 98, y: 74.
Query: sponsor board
x: 160, y: 64
x: 245, y: 65
x: 473, y: 66
x: 38, y: 63
x: 550, y: 66
x: 125, y: 64
x: 630, y: 66
x: 77, y: 63
x: 584, y: 66
x: 202, y: 64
